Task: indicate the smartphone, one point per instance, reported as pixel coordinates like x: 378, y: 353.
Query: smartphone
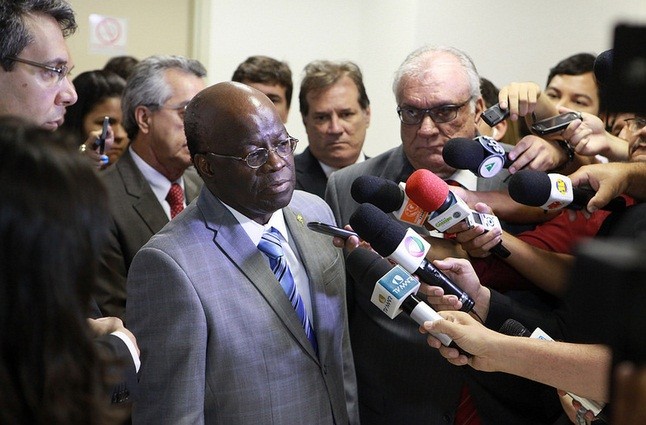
x: 494, y: 115
x: 330, y: 230
x: 554, y: 124
x: 104, y: 134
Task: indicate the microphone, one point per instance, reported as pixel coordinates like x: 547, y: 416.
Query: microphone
x: 514, y: 328
x: 405, y: 247
x: 432, y: 193
x: 388, y: 196
x: 485, y: 158
x: 553, y: 192
x: 395, y: 288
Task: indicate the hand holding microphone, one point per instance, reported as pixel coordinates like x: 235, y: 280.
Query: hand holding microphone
x: 553, y: 192
x: 447, y: 210
x: 404, y: 247
x: 394, y: 289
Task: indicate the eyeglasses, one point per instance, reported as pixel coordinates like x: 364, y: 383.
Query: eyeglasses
x: 55, y: 72
x: 635, y: 124
x: 259, y: 157
x: 180, y: 109
x: 440, y: 114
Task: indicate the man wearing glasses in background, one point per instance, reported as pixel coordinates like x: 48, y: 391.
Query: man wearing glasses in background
x: 438, y: 97
x: 154, y: 179
x: 239, y: 308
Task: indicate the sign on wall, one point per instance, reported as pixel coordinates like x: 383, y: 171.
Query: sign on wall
x: 108, y: 35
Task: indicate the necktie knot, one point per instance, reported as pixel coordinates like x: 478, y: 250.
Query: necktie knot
x: 270, y: 244
x: 175, y: 198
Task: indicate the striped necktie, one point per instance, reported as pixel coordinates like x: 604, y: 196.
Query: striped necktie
x: 270, y: 245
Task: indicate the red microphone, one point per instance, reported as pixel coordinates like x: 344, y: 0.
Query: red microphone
x: 432, y: 194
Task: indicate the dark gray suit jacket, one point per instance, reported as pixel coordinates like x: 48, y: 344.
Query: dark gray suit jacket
x: 136, y: 216
x: 220, y: 342
x: 400, y: 379
x: 309, y: 174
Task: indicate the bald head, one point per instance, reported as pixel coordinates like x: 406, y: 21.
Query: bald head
x: 225, y: 112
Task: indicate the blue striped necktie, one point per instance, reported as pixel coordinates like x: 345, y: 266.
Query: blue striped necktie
x: 271, y: 247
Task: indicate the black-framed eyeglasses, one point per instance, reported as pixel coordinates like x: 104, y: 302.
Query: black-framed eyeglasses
x: 259, y: 157
x: 439, y: 114
x: 635, y: 124
x: 59, y: 72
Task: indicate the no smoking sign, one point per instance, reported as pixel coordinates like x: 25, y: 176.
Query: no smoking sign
x: 108, y: 35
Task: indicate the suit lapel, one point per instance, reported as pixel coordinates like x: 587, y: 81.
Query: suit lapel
x: 232, y: 240
x: 143, y: 198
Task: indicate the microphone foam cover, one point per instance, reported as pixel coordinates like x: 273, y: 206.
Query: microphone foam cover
x: 382, y: 193
x: 367, y: 266
x: 530, y: 187
x: 427, y: 190
x: 463, y: 154
x: 513, y: 328
x: 380, y: 231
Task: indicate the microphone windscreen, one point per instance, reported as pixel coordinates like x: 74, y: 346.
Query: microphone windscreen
x: 514, y: 328
x: 463, y: 154
x: 427, y: 190
x: 375, y: 227
x: 382, y: 193
x: 603, y: 67
x: 364, y: 265
x: 530, y: 187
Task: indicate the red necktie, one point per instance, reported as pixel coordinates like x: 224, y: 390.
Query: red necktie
x: 175, y: 198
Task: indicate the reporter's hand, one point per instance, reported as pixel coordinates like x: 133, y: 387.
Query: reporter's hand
x: 468, y: 334
x: 608, y: 180
x: 519, y: 98
x: 91, y: 148
x: 534, y: 153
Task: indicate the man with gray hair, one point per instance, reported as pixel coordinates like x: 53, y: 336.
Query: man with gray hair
x: 336, y: 113
x: 437, y: 90
x: 154, y: 179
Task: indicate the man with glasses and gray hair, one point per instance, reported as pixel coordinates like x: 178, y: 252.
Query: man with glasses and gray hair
x: 437, y: 90
x: 154, y: 179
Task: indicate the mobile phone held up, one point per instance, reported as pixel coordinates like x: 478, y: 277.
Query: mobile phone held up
x: 554, y: 124
x: 327, y: 229
x: 494, y: 115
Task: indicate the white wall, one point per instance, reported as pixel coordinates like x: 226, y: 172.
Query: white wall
x: 509, y: 40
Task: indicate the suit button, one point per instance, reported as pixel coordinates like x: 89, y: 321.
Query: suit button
x: 448, y: 418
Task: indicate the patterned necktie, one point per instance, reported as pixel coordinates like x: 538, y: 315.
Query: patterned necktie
x: 175, y: 198
x: 271, y: 247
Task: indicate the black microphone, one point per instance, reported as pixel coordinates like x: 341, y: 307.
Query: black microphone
x: 389, y: 197
x: 405, y: 247
x: 394, y: 288
x: 553, y: 192
x: 483, y: 156
x: 512, y: 327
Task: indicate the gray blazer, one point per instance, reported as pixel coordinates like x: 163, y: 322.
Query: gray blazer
x: 400, y: 378
x: 136, y: 216
x: 220, y: 342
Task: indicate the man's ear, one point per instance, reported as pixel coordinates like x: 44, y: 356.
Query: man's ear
x: 203, y: 166
x: 143, y: 116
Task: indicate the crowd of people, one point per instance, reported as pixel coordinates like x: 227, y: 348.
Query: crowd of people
x: 161, y: 270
